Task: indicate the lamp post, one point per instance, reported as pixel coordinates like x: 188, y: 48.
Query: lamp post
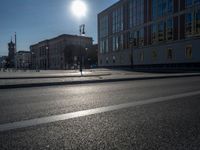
x: 131, y: 42
x: 82, y: 33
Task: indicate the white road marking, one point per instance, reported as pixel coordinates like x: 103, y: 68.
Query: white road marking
x: 55, y: 118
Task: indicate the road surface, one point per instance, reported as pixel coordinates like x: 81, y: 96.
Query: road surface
x: 150, y: 114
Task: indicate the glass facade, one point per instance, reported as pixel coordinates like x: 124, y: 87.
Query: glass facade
x: 197, y: 22
x: 188, y: 24
x: 117, y: 20
x: 188, y: 3
x: 169, y: 29
x: 161, y: 31
x: 143, y: 23
x: 104, y: 46
x: 117, y: 42
x: 161, y: 8
x: 103, y: 27
x: 154, y: 33
x: 136, y: 11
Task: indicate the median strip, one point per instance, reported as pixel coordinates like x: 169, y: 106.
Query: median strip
x: 62, y: 117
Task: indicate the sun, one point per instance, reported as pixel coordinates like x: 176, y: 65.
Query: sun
x: 79, y: 8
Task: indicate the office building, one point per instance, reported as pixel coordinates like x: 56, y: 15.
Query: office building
x: 150, y: 33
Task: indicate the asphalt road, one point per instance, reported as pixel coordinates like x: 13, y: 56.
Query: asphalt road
x: 170, y: 124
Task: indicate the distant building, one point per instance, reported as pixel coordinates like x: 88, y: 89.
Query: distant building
x: 62, y: 52
x: 3, y: 61
x: 11, y: 54
x: 23, y: 59
x: 150, y: 33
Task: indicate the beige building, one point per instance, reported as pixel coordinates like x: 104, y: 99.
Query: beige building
x: 23, y: 60
x: 54, y: 53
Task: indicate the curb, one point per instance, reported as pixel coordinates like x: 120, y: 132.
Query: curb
x: 91, y: 81
x: 42, y: 77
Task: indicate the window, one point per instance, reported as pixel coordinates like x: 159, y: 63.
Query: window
x: 136, y: 11
x: 160, y: 8
x: 154, y: 55
x: 188, y: 3
x: 169, y: 6
x: 196, y: 2
x: 154, y: 33
x: 169, y: 29
x: 141, y: 37
x: 142, y: 56
x: 197, y: 24
x: 161, y: 31
x: 100, y: 61
x: 188, y: 24
x: 107, y: 60
x: 117, y: 20
x: 154, y: 9
x: 103, y: 26
x: 117, y: 42
x: 133, y: 39
x: 169, y: 54
x: 164, y: 7
x: 188, y: 51
x: 114, y: 59
x: 104, y: 46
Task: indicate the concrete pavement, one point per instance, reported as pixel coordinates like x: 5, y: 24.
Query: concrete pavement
x: 52, y: 78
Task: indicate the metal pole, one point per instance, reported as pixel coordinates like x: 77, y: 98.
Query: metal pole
x: 80, y: 51
x: 82, y: 32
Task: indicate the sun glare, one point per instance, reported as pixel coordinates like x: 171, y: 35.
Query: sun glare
x: 79, y: 8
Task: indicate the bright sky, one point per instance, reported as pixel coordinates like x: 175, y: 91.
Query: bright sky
x: 36, y: 20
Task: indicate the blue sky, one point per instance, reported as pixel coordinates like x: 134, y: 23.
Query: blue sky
x: 36, y: 20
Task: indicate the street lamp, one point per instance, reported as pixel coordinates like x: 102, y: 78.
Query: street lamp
x: 82, y: 33
x: 132, y: 42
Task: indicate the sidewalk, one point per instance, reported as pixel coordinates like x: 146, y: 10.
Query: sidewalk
x: 50, y: 78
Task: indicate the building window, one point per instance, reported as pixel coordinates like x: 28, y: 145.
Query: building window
x: 188, y: 3
x: 154, y: 55
x: 154, y: 33
x: 188, y: 24
x: 104, y: 46
x: 117, y: 42
x: 197, y: 24
x: 103, y: 26
x: 141, y: 36
x: 169, y: 29
x: 100, y: 61
x: 114, y: 59
x: 117, y: 20
x: 154, y: 9
x: 169, y: 54
x: 196, y: 2
x: 107, y: 60
x: 133, y: 38
x: 161, y: 31
x: 136, y: 11
x: 188, y: 51
x: 142, y: 56
x: 164, y: 7
x: 160, y: 8
x: 170, y: 6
